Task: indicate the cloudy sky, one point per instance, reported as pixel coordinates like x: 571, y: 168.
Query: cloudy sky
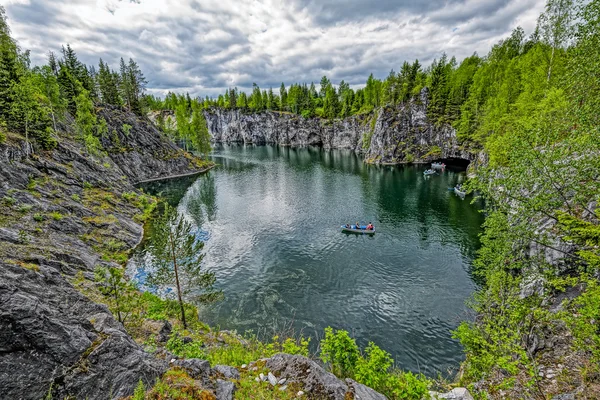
x: 205, y: 46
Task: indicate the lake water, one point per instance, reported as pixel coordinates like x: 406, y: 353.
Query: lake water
x: 270, y: 218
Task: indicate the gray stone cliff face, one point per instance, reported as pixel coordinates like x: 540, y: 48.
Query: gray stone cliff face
x: 389, y: 135
x: 53, y: 339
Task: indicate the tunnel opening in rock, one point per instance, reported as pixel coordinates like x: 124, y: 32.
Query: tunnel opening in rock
x: 455, y: 162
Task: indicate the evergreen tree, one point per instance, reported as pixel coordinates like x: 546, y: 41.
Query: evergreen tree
x: 176, y: 253
x: 283, y: 97
x: 325, y: 84
x: 108, y: 85
x: 200, y: 134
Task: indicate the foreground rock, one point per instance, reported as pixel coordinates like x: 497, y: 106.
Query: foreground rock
x: 63, y: 213
x: 317, y: 382
x: 454, y: 394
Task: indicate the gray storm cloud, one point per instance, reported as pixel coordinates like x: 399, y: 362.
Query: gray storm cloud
x: 206, y: 46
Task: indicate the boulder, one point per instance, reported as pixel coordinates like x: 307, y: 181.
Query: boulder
x: 164, y: 333
x: 362, y: 392
x: 315, y: 381
x: 454, y: 394
x: 196, y: 368
x: 226, y: 371
x: 225, y: 390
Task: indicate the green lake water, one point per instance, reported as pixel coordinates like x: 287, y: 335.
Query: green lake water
x: 270, y: 218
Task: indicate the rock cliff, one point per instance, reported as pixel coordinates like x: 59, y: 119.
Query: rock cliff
x: 62, y: 214
x: 402, y: 134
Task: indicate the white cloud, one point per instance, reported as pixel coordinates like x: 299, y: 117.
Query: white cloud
x: 204, y: 46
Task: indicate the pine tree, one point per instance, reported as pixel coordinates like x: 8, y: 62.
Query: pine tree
x: 283, y: 96
x: 176, y: 254
x: 325, y: 84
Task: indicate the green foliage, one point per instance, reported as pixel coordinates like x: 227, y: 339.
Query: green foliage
x: 56, y: 215
x: 9, y: 201
x: 178, y: 385
x: 38, y: 217
x: 374, y: 368
x: 25, y: 208
x: 177, y: 258
x: 120, y: 294
x: 126, y: 129
x: 339, y: 351
x: 582, y: 318
x: 76, y: 197
x: 140, y: 391
x: 236, y: 352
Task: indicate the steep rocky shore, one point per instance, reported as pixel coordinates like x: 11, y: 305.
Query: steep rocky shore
x: 387, y: 136
x: 63, y: 213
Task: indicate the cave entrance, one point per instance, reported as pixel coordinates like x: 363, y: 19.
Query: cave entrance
x: 455, y: 163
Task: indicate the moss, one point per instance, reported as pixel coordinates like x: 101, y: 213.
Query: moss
x: 100, y: 220
x: 176, y: 384
x: 26, y: 265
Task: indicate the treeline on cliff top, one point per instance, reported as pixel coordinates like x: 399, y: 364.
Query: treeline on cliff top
x: 476, y: 96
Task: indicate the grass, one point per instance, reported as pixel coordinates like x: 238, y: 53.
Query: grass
x: 176, y: 384
x: 37, y: 217
x: 100, y: 220
x: 25, y: 208
x: 9, y: 201
x: 22, y: 264
x: 55, y: 215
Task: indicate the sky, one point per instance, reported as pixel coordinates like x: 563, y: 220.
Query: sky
x: 205, y: 46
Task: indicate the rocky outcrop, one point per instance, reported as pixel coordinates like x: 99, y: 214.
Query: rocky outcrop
x: 402, y: 134
x: 138, y: 148
x: 285, y: 129
x: 317, y: 382
x: 62, y: 214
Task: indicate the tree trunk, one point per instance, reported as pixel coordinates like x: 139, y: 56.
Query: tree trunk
x: 172, y: 241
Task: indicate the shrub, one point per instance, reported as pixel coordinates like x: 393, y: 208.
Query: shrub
x: 31, y: 184
x: 38, y: 217
x: 25, y: 208
x: 75, y: 197
x: 373, y: 369
x: 9, y: 201
x: 140, y: 391
x: 126, y: 129
x: 57, y: 216
x: 340, y: 351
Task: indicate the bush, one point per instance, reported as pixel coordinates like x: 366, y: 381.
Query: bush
x: 38, y: 217
x: 57, y: 216
x: 373, y: 369
x: 126, y: 129
x: 340, y: 351
x: 75, y: 197
x: 25, y: 208
x: 9, y: 201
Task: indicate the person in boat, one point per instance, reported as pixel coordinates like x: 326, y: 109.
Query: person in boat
x: 347, y: 226
x: 370, y: 227
x: 358, y: 226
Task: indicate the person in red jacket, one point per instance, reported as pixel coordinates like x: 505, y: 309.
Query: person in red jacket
x: 370, y: 227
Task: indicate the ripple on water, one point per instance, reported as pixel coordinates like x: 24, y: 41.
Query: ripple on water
x: 272, y: 216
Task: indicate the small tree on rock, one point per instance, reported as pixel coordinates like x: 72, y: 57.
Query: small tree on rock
x: 176, y: 254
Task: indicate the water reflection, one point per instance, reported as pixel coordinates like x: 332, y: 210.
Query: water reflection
x: 271, y: 215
